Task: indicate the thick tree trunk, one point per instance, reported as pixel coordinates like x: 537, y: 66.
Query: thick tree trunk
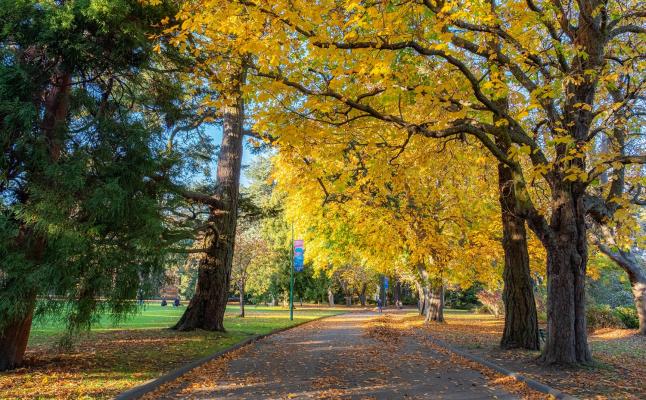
x: 436, y: 304
x: 433, y: 294
x: 521, y: 321
x: 241, y: 290
x: 330, y: 297
x: 425, y: 292
x: 362, y: 295
x: 15, y: 329
x: 567, y: 253
x: 14, y: 337
x: 206, y: 308
x: 639, y: 291
x: 421, y: 298
x: 565, y: 240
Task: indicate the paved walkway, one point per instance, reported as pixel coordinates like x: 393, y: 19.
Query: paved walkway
x: 333, y: 358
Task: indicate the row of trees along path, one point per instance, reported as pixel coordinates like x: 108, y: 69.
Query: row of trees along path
x: 567, y: 85
x: 537, y: 85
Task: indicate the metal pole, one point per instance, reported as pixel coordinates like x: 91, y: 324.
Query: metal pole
x: 291, y: 280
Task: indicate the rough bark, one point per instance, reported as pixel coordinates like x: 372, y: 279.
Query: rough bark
x: 521, y: 321
x: 436, y: 304
x: 567, y: 254
x: 565, y: 240
x: 14, y: 338
x: 206, y: 308
x: 330, y: 297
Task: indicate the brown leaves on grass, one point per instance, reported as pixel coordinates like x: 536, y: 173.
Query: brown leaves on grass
x: 619, y: 355
x: 100, y: 365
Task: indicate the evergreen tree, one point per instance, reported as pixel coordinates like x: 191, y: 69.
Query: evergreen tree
x: 85, y: 103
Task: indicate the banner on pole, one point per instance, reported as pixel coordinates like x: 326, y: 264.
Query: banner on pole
x: 299, y: 255
x: 385, y: 282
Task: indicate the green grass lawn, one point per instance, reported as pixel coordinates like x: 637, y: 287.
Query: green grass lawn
x: 114, y: 357
x: 261, y: 319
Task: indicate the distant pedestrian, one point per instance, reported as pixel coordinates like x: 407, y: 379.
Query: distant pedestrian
x: 176, y: 302
x: 164, y: 303
x: 379, y: 305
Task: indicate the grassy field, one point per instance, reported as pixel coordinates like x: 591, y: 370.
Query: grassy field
x: 113, y: 358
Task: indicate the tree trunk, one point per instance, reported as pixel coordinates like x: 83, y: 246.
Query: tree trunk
x: 436, y: 304
x: 241, y: 290
x: 433, y: 294
x: 206, y: 308
x: 15, y: 329
x: 397, y: 293
x: 14, y: 337
x: 362, y: 295
x: 636, y: 275
x: 330, y: 297
x: 639, y: 291
x: 421, y: 298
x: 567, y: 253
x: 521, y: 321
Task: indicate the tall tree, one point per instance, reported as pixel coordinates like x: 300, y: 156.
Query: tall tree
x: 81, y: 220
x: 556, y: 63
x: 206, y: 308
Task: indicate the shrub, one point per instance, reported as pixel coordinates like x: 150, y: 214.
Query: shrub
x: 627, y: 315
x: 492, y: 299
x: 602, y: 317
x: 483, y: 309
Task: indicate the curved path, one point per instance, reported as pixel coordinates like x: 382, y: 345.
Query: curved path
x: 333, y: 358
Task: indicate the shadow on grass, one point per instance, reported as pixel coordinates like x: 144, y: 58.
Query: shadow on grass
x: 110, y: 360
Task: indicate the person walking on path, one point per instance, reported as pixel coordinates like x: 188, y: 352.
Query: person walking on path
x: 379, y: 305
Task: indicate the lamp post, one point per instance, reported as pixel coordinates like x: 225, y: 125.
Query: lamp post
x: 291, y: 279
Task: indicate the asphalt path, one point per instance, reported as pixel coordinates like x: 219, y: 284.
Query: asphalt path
x: 334, y: 358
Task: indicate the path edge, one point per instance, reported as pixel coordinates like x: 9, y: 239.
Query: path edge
x: 538, y: 386
x: 153, y: 384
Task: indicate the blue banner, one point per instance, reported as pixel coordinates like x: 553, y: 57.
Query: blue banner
x: 299, y: 255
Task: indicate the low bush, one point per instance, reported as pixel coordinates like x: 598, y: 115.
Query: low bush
x: 492, y: 300
x: 628, y: 315
x: 483, y: 309
x: 602, y: 316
